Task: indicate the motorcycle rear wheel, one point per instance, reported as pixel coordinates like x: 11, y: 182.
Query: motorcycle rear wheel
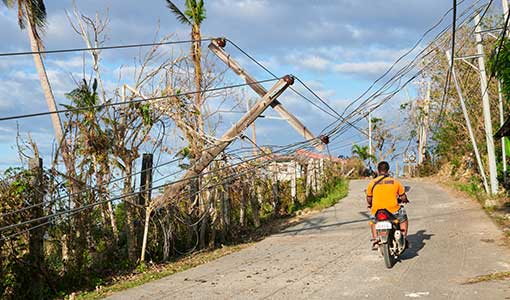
x: 389, y: 259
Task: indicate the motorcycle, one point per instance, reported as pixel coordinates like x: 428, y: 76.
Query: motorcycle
x: 391, y: 240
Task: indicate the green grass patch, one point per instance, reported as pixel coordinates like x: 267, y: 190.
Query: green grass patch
x: 472, y: 188
x: 331, y: 194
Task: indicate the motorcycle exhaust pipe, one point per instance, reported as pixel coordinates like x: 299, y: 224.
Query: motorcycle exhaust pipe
x: 399, y: 238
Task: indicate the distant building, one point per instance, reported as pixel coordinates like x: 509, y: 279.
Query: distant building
x: 285, y: 166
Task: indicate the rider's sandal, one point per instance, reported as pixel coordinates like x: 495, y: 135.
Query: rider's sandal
x: 375, y: 244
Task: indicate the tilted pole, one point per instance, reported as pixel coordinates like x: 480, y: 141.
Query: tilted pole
x: 209, y: 154
x: 505, y: 9
x: 486, y: 109
x: 468, y: 123
x: 216, y: 46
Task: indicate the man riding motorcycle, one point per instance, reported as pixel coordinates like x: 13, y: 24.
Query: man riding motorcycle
x: 385, y: 192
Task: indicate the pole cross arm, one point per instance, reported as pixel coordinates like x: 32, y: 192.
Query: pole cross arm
x: 216, y: 46
x: 208, y: 155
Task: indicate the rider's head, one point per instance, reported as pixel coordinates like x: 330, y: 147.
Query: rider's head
x: 383, y: 168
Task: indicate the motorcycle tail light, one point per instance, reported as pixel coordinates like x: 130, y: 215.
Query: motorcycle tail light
x: 381, y: 216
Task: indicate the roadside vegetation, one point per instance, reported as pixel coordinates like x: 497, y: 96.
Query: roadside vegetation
x: 102, y: 207
x: 334, y: 192
x: 331, y: 194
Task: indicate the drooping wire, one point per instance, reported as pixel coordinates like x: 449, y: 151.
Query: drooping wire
x: 158, y: 98
x: 102, y: 48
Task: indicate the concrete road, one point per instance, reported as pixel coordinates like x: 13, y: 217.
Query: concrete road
x: 328, y: 256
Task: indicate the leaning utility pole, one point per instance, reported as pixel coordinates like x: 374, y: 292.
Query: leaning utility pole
x: 216, y: 46
x: 208, y: 155
x: 486, y: 108
x: 468, y: 122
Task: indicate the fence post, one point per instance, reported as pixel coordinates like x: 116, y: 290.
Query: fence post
x: 308, y: 178
x: 254, y: 201
x: 225, y: 210
x: 244, y: 200
x: 293, y: 183
x: 314, y: 176
x: 321, y: 179
x: 145, y: 180
x: 275, y: 188
x: 36, y: 236
x: 144, y: 199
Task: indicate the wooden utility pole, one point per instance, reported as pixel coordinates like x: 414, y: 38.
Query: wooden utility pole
x: 486, y: 108
x: 36, y: 239
x: 208, y: 155
x: 216, y: 46
x: 144, y: 198
x: 468, y: 123
x: 145, y: 180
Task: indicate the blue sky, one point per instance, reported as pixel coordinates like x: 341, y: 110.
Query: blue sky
x: 338, y: 47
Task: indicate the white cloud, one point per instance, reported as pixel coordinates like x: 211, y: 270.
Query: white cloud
x: 362, y: 68
x: 314, y: 63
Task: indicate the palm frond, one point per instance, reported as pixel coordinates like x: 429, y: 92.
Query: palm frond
x: 201, y: 12
x: 177, y: 12
x: 38, y: 13
x: 195, y: 11
x: 34, y: 12
x: 21, y: 15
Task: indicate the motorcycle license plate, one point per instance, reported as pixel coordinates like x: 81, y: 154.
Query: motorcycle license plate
x: 383, y: 225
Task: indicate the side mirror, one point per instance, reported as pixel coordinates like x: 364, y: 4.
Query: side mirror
x: 407, y: 188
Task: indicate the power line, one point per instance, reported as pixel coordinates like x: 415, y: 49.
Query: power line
x: 398, y: 76
x: 74, y: 211
x: 132, y: 101
x: 293, y: 89
x: 103, y: 47
x: 342, y: 119
x: 403, y: 56
x: 12, y: 226
x: 443, y: 102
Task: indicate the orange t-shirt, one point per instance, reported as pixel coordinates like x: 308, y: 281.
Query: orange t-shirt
x: 385, y: 194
